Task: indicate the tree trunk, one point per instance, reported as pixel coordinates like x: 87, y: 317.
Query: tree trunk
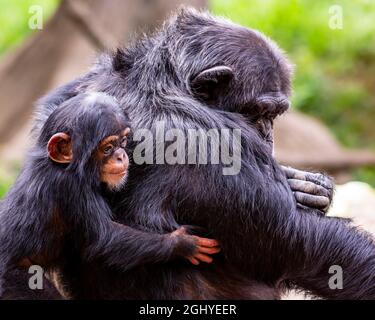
x: 66, y: 48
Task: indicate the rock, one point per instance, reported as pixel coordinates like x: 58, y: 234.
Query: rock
x: 355, y: 200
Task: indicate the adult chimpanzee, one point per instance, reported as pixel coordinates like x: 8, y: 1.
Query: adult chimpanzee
x: 200, y: 72
x: 57, y: 204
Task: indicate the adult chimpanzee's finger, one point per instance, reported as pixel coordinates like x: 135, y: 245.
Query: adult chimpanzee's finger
x: 316, y: 178
x: 312, y: 201
x: 207, y: 250
x: 204, y: 258
x: 292, y: 173
x: 308, y: 187
x: 320, y: 179
x: 206, y: 242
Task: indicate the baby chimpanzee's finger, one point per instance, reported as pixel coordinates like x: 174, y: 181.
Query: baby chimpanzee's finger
x: 193, y: 261
x: 207, y: 250
x: 204, y: 258
x: 204, y: 242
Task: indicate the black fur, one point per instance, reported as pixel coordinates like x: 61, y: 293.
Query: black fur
x: 56, y: 215
x: 267, y: 243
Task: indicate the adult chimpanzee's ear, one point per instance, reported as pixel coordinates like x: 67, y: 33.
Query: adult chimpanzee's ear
x: 209, y: 83
x: 60, y: 148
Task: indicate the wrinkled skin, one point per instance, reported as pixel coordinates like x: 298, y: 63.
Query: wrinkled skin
x: 312, y: 190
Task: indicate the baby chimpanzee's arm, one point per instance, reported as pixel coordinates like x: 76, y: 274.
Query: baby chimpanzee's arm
x: 126, y: 247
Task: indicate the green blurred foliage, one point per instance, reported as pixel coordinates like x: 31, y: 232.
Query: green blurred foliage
x: 14, y: 28
x: 8, y: 175
x: 334, y: 76
x: 366, y: 175
x: 335, y: 68
x: 14, y: 18
x: 4, y: 186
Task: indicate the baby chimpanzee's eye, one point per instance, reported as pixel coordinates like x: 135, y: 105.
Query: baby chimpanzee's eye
x: 108, y: 150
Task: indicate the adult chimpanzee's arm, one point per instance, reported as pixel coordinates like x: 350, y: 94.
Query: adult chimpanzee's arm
x: 334, y: 252
x: 311, y: 244
x: 300, y: 248
x: 343, y: 261
x: 264, y: 233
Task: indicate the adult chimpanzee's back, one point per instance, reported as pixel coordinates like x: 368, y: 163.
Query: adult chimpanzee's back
x: 201, y: 72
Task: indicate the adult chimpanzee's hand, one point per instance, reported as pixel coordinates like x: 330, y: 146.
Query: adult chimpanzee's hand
x: 312, y: 190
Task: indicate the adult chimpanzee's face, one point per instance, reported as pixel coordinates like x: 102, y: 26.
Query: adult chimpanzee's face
x: 114, y: 160
x: 235, y: 69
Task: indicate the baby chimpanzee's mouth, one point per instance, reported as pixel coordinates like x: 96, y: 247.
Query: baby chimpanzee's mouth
x: 117, y: 172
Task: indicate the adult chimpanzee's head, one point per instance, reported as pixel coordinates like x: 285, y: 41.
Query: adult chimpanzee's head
x: 220, y: 64
x: 88, y: 135
x: 232, y: 68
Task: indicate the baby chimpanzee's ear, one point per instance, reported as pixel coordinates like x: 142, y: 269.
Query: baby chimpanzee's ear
x: 212, y: 82
x: 60, y: 148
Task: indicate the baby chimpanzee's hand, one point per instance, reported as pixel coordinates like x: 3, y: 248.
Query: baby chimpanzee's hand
x: 195, y: 249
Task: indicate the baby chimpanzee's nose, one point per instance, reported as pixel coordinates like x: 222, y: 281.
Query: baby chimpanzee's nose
x: 120, y: 155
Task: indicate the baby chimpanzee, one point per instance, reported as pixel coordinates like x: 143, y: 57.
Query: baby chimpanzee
x: 56, y: 209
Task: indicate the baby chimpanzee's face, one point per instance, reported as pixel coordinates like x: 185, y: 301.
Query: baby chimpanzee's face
x: 111, y: 155
x: 114, y: 160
